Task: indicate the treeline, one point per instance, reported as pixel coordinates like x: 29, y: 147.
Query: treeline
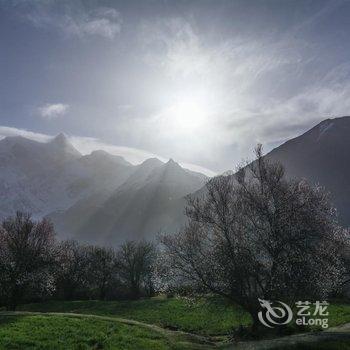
x: 255, y: 235
x: 35, y: 266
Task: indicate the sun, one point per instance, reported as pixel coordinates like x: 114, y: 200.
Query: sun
x: 190, y: 113
x: 187, y: 115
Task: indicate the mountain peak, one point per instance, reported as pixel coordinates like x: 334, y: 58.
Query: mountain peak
x: 328, y: 128
x: 100, y: 152
x: 151, y: 162
x: 172, y: 164
x: 104, y: 155
x: 171, y: 161
x: 320, y: 155
x: 60, y: 139
x: 61, y: 142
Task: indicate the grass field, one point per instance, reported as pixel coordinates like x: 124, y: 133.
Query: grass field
x: 339, y: 313
x: 210, y: 316
x: 59, y: 332
x: 51, y: 332
x: 142, y: 324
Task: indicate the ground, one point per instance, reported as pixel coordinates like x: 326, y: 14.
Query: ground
x: 29, y: 330
x: 156, y: 323
x: 205, y: 316
x: 63, y: 332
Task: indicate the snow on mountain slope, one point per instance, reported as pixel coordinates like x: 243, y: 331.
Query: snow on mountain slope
x: 44, y: 177
x: 97, y: 197
x: 151, y: 200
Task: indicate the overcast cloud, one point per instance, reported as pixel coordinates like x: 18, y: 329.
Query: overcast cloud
x: 74, y: 21
x: 198, y: 81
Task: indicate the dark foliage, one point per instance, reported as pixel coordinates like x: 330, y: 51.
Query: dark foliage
x: 259, y: 235
x: 34, y: 266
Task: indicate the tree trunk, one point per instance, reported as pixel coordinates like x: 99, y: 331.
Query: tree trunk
x: 103, y: 293
x: 257, y: 327
x: 12, y: 304
x: 14, y: 298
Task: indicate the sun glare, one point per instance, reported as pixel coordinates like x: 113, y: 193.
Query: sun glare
x: 186, y: 115
x: 189, y: 114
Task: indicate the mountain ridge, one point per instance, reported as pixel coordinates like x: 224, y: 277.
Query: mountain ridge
x: 105, y: 199
x: 321, y: 156
x: 53, y: 179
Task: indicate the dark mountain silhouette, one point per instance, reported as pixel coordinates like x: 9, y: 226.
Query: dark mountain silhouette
x: 321, y: 155
x: 103, y: 198
x: 96, y: 197
x: 151, y: 200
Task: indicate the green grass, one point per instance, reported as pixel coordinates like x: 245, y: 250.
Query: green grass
x: 211, y: 316
x: 105, y: 330
x: 206, y: 316
x: 339, y: 313
x: 61, y: 332
x: 69, y: 332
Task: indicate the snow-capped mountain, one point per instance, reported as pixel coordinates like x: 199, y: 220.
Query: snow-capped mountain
x: 95, y: 197
x: 44, y: 177
x: 104, y: 199
x: 26, y: 167
x: 151, y: 200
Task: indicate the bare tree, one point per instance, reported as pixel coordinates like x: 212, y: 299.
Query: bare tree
x: 102, y: 270
x: 72, y: 277
x: 26, y: 258
x: 135, y: 263
x: 259, y: 235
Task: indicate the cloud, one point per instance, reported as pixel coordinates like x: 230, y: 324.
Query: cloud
x: 105, y: 22
x: 211, y: 87
x: 6, y: 131
x: 85, y: 145
x: 199, y: 169
x: 254, y: 84
x: 256, y: 88
x: 53, y: 110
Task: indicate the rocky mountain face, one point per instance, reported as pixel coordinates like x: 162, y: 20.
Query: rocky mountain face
x: 102, y: 198
x: 94, y: 198
x: 150, y: 201
x: 45, y: 177
x: 321, y: 155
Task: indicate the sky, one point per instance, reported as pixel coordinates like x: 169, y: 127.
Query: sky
x: 201, y: 82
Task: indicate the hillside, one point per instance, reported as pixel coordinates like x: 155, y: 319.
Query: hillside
x: 150, y: 201
x: 102, y: 198
x: 321, y: 155
x: 97, y: 197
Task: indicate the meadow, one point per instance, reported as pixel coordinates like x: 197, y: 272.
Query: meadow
x: 50, y: 331
x: 152, y: 323
x: 205, y: 316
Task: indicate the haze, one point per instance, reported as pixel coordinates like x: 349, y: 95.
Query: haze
x: 198, y: 81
